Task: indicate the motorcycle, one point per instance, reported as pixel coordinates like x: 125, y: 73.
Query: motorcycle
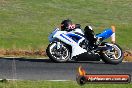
x: 65, y: 46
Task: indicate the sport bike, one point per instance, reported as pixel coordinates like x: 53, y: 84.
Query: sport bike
x: 78, y: 44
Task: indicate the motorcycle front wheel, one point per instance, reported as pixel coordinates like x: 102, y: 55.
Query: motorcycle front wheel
x: 113, y: 55
x: 60, y: 54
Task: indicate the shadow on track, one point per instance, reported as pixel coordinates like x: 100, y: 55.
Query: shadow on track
x: 49, y: 61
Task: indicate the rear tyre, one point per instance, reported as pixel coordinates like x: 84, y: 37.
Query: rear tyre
x: 112, y: 56
x: 58, y: 55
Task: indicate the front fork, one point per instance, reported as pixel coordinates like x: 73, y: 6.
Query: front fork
x: 58, y: 45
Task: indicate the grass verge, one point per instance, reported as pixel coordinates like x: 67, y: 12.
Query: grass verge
x: 26, y: 23
x: 60, y: 84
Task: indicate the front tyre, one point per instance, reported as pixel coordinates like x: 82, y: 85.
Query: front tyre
x: 60, y: 54
x: 113, y: 55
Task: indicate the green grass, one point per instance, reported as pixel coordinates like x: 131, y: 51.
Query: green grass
x: 68, y: 84
x: 26, y: 23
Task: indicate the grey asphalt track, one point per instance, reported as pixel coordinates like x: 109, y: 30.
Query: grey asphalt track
x: 44, y: 69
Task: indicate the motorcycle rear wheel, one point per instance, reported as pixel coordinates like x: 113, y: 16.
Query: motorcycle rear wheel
x: 114, y: 56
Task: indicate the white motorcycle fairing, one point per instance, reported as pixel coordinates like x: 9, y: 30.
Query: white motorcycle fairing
x: 76, y: 49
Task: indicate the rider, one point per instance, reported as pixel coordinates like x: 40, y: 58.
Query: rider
x: 66, y: 25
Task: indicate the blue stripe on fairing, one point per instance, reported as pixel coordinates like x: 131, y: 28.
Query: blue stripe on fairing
x: 74, y: 36
x: 64, y: 37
